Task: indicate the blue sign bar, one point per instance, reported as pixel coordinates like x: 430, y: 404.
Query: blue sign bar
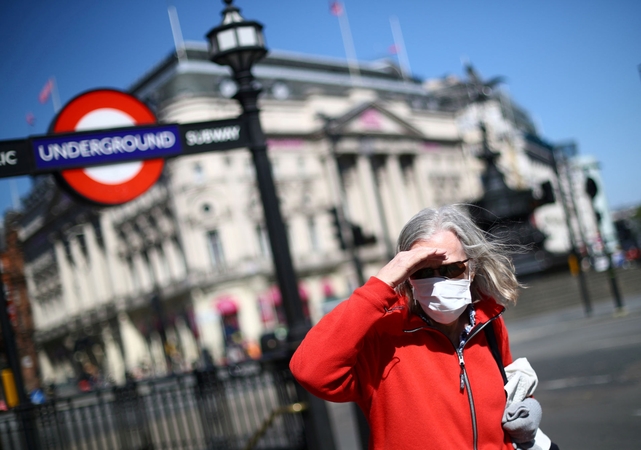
x: 59, y: 152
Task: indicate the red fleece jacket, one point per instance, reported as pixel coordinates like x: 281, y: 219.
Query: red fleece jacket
x: 405, y: 375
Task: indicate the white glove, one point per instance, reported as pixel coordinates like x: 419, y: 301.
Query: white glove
x: 521, y: 420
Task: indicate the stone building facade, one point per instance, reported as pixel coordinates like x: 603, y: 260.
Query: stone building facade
x: 182, y: 275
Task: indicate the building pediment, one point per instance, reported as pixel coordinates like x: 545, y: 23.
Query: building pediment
x: 371, y: 118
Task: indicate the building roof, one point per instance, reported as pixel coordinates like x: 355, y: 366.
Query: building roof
x: 286, y: 75
x: 299, y: 74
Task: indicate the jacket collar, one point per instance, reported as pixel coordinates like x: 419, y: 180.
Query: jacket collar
x: 487, y: 309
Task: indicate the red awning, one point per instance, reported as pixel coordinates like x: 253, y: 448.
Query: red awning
x: 226, y: 305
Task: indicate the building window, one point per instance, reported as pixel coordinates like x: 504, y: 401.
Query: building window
x: 263, y: 241
x: 199, y: 175
x: 67, y: 246
x: 313, y: 233
x: 133, y: 274
x: 180, y: 260
x: 149, y: 267
x: 164, y: 264
x: 82, y: 243
x: 227, y: 88
x: 446, y: 188
x: 288, y: 234
x: 215, y: 249
x: 277, y: 167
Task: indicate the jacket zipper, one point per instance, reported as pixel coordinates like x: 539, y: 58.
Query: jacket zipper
x: 465, y: 382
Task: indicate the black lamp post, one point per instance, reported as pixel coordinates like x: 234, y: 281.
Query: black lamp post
x: 239, y: 44
x: 592, y: 189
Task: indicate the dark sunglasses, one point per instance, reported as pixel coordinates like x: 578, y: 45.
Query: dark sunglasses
x: 452, y: 270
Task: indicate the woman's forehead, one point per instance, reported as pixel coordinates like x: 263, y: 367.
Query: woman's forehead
x: 444, y: 240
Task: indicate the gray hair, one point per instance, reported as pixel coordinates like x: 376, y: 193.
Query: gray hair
x: 493, y: 269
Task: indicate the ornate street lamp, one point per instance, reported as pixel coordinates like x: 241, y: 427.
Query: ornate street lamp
x: 239, y: 44
x: 236, y: 42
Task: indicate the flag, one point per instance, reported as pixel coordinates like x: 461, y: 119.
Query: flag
x: 46, y: 91
x: 30, y: 118
x: 336, y: 8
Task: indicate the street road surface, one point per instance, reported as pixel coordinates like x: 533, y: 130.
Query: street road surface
x: 589, y: 373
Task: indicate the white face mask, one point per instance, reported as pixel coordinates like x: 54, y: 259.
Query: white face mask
x: 442, y: 299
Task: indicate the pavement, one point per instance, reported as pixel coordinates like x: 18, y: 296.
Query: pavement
x: 589, y: 370
x: 523, y: 329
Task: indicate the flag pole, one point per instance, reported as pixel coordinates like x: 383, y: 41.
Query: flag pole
x: 338, y: 9
x: 176, y: 31
x: 400, y: 47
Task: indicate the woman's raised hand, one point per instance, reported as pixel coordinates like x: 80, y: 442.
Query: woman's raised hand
x: 406, y: 263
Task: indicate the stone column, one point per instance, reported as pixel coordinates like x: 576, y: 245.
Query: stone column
x: 422, y: 171
x: 69, y: 290
x: 97, y: 267
x: 401, y: 198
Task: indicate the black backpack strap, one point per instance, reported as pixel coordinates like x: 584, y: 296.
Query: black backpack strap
x: 494, y: 348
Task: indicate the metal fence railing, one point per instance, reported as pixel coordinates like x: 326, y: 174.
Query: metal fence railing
x: 251, y: 405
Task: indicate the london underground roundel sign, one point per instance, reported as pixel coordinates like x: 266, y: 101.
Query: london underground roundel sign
x: 111, y: 184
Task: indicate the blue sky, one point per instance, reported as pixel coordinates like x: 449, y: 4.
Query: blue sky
x: 572, y: 64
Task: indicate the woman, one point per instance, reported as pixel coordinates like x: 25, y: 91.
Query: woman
x: 409, y: 348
